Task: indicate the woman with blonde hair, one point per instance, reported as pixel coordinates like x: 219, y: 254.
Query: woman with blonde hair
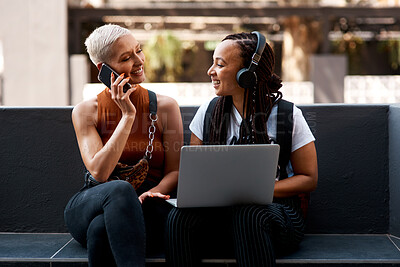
x: 118, y: 133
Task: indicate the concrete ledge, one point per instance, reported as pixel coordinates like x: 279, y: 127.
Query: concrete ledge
x: 315, y: 249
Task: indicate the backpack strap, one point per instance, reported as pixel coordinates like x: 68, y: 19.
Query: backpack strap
x: 284, y: 139
x: 284, y: 129
x: 207, y: 121
x: 152, y: 102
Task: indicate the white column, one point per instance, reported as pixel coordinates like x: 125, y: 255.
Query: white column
x: 79, y: 74
x: 34, y: 37
x: 327, y: 72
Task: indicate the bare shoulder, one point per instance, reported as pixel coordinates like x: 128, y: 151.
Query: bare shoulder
x: 168, y: 112
x: 85, y: 111
x: 166, y: 103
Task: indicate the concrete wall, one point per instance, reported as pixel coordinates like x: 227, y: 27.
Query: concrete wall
x: 353, y: 187
x: 394, y: 168
x: 34, y: 37
x: 41, y: 168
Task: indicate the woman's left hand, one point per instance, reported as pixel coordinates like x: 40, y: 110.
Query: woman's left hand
x: 147, y: 194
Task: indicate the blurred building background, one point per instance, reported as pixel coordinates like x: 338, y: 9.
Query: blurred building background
x: 342, y: 51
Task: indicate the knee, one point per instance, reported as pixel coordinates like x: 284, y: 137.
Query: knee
x: 251, y: 216
x: 122, y: 195
x: 121, y: 189
x: 181, y: 219
x: 173, y: 217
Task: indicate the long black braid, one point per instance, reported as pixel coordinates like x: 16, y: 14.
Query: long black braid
x: 258, y: 101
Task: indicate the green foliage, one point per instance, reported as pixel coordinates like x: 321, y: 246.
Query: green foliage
x: 163, y: 57
x: 351, y: 45
x: 392, y: 47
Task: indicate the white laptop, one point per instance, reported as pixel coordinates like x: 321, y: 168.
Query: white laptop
x: 217, y: 176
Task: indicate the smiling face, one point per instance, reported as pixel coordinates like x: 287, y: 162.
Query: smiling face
x: 127, y: 57
x: 226, y: 63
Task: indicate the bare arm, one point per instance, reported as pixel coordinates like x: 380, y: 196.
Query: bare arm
x: 100, y: 160
x: 195, y: 141
x: 304, y: 163
x: 172, y: 128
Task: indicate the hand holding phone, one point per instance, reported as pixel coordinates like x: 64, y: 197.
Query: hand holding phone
x: 105, y: 77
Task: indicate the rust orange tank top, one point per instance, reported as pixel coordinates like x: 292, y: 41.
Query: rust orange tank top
x: 109, y: 115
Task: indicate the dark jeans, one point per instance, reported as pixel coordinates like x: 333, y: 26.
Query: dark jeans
x: 109, y: 220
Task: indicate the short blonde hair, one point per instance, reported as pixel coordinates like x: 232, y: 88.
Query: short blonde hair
x: 99, y: 42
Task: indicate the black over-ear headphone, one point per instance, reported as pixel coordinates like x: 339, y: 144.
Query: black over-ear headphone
x: 247, y: 77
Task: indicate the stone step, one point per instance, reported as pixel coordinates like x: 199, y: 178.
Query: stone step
x: 60, y: 249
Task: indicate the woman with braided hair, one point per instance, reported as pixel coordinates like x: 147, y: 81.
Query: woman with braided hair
x: 246, y: 112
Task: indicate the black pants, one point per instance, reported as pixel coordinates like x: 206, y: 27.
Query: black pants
x: 109, y: 220
x: 252, y: 234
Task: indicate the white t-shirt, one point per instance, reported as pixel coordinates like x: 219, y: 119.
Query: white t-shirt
x: 301, y: 135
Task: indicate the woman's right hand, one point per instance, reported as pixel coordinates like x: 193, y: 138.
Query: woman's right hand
x: 100, y: 159
x: 120, y: 98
